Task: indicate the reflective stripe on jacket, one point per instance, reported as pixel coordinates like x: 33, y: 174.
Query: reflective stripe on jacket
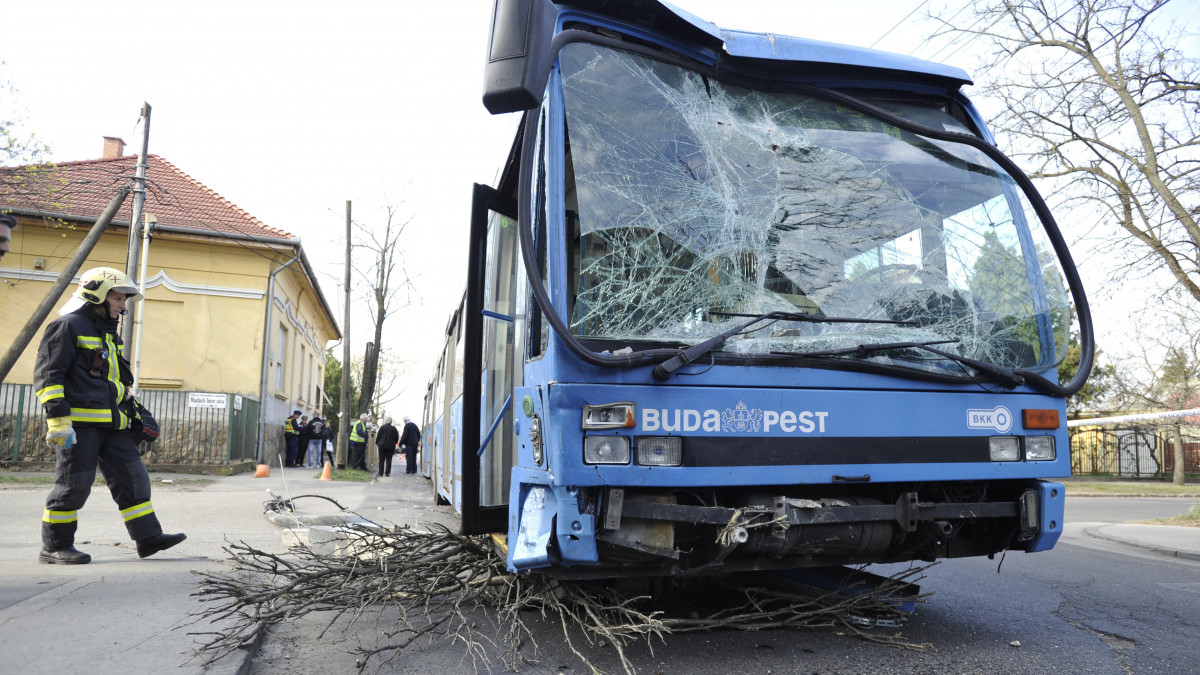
x: 81, y: 371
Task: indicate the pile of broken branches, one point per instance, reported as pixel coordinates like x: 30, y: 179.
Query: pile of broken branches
x: 446, y: 586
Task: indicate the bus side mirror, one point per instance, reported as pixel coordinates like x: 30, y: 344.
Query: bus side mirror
x: 518, y: 60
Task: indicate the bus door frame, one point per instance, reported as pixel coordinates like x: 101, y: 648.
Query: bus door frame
x: 477, y: 518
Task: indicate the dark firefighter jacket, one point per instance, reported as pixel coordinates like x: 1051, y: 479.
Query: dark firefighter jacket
x: 81, y: 371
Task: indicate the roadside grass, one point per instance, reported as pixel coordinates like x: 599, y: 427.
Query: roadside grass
x: 1189, y: 519
x: 24, y: 479
x: 1118, y: 488
x: 353, y: 475
x: 12, y: 478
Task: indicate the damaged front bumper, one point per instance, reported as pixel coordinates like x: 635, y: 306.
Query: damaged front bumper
x: 567, y: 527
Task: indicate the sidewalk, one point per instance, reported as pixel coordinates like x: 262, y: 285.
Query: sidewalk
x: 123, y: 614
x: 1172, y: 540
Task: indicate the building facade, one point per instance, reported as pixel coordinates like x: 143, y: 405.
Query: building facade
x: 231, y: 305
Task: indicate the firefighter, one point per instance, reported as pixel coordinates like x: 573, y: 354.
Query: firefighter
x: 83, y: 382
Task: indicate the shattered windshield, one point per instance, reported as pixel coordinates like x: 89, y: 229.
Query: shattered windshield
x: 689, y: 198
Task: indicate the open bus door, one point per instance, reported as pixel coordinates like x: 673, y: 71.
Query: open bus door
x: 488, y: 442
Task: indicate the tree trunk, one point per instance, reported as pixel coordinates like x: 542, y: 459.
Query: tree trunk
x: 370, y: 370
x: 1179, y: 467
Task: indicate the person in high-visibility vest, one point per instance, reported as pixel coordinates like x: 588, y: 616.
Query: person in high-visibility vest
x: 358, y: 444
x: 291, y: 439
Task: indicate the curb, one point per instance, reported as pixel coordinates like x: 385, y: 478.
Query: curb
x: 1130, y: 494
x: 1184, y: 555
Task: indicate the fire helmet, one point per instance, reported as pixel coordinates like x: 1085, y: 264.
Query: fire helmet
x: 95, y: 284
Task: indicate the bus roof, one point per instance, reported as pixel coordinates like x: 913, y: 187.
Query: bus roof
x: 667, y: 19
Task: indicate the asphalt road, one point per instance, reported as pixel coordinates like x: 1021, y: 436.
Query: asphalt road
x: 1125, y: 509
x: 1085, y: 607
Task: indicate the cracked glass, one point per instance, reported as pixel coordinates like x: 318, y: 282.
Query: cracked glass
x: 689, y: 198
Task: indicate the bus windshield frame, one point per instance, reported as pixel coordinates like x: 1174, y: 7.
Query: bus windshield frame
x: 690, y: 199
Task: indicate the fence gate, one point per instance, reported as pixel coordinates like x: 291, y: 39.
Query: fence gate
x: 1136, y: 451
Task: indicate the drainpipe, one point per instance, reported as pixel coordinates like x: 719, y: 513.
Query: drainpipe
x: 140, y: 310
x: 266, y: 362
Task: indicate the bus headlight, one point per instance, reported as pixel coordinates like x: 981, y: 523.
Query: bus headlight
x: 606, y: 449
x: 1005, y: 448
x: 1039, y: 448
x: 660, y: 451
x: 609, y: 416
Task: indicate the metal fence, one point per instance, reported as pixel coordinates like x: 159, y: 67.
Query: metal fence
x: 198, y: 429
x: 1139, y: 451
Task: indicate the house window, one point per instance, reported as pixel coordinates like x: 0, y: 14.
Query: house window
x: 312, y: 382
x: 302, y: 394
x: 281, y: 357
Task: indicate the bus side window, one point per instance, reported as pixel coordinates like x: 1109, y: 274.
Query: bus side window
x: 539, y: 330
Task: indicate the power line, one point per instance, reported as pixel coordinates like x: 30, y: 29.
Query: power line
x: 889, y: 31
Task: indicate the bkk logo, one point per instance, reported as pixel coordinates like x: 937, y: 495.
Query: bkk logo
x: 998, y: 418
x: 738, y: 420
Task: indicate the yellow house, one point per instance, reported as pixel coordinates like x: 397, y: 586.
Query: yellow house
x: 208, y: 328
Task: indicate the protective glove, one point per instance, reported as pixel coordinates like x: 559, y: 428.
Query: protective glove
x: 60, y: 432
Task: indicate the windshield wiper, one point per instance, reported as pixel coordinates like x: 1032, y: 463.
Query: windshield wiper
x: 1007, y: 377
x: 664, y: 370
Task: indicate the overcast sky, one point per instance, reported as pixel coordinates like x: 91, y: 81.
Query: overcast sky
x: 288, y: 109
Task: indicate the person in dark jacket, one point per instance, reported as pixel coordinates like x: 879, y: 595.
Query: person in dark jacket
x: 410, y: 440
x: 326, y: 443
x: 315, y: 431
x: 83, y: 383
x: 385, y: 440
x: 301, y: 440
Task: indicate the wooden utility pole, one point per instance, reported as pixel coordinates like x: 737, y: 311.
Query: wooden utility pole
x: 343, y: 440
x: 135, y: 225
x: 68, y: 274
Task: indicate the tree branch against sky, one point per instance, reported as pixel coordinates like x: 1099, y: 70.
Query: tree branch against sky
x: 1097, y: 99
x: 17, y: 148
x: 388, y: 287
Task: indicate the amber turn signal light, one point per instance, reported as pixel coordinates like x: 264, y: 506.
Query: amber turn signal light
x: 1039, y: 419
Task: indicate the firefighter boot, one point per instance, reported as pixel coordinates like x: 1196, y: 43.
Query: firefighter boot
x: 159, y: 542
x: 63, y: 556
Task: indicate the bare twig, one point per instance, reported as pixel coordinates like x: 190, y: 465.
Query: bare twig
x: 444, y: 586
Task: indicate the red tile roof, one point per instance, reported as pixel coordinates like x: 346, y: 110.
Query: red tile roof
x: 84, y: 188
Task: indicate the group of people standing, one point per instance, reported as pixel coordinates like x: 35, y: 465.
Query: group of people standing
x: 390, y: 441
x: 313, y: 438
x: 306, y: 441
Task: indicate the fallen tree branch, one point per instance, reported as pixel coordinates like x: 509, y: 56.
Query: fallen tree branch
x: 446, y: 586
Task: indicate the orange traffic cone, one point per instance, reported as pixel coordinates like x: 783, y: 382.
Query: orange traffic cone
x: 325, y: 473
x: 262, y: 471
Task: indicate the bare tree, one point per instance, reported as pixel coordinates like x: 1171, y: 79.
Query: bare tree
x: 390, y: 381
x: 388, y: 285
x: 1162, y: 369
x: 1097, y: 98
x: 16, y: 146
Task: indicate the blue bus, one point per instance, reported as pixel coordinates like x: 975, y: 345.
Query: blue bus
x: 746, y: 301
